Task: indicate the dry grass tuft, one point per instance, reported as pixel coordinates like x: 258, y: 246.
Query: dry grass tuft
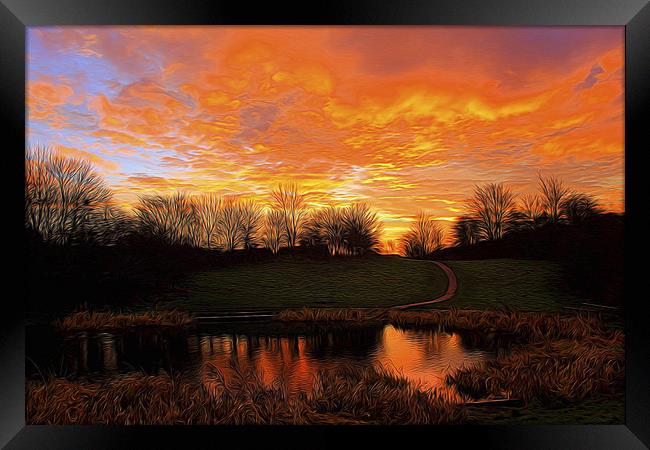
x: 331, y: 315
x: 550, y: 357
x: 347, y: 396
x: 379, y: 396
x: 524, y: 326
x: 550, y: 371
x: 86, y: 320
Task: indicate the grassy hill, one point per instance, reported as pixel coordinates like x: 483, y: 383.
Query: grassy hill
x: 517, y: 284
x: 290, y: 281
x: 590, y: 255
x: 373, y: 281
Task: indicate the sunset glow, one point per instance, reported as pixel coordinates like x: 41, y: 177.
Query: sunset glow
x: 408, y: 119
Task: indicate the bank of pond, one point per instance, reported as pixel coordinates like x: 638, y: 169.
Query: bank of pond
x: 309, y: 366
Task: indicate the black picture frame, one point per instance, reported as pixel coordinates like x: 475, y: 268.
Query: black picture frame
x: 17, y: 15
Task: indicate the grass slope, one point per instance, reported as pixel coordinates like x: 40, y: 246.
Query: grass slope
x: 374, y: 281
x: 289, y: 282
x: 518, y: 284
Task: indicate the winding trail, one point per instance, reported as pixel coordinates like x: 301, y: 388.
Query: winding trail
x: 452, y: 286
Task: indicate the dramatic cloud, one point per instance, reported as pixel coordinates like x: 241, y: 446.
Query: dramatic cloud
x: 407, y: 118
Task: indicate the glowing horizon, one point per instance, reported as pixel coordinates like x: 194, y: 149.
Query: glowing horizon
x: 408, y: 119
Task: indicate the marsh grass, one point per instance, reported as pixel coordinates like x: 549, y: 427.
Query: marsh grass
x: 351, y: 315
x: 349, y: 395
x: 553, y: 372
x: 550, y: 358
x: 110, y: 320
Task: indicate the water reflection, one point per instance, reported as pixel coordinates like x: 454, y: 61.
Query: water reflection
x: 295, y: 352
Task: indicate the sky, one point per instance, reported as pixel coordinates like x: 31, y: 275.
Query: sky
x: 408, y: 119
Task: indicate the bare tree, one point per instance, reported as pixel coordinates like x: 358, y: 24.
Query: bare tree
x: 532, y: 210
x: 493, y: 206
x: 333, y: 229
x: 230, y: 224
x: 274, y: 230
x: 61, y: 195
x: 553, y: 193
x: 578, y: 207
x: 362, y: 229
x: 423, y: 238
x: 168, y: 218
x: 207, y: 210
x: 251, y: 224
x: 466, y: 231
x: 312, y: 233
x: 288, y: 199
x: 40, y: 194
x: 108, y: 226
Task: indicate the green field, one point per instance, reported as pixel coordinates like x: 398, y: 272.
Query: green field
x: 517, y: 284
x: 373, y: 281
x: 290, y: 282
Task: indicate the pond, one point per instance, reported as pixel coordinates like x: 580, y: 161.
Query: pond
x: 295, y: 351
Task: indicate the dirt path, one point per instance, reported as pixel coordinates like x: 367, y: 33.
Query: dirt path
x: 452, y: 286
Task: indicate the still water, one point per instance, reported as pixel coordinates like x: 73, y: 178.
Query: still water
x: 295, y: 351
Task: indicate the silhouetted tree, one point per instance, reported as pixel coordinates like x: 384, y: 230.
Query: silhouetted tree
x: 493, y: 207
x: 273, y: 237
x: 61, y: 195
x: 251, y: 223
x: 532, y: 211
x: 553, y: 193
x: 207, y: 208
x: 577, y: 207
x: 108, y: 226
x: 362, y: 229
x: 171, y: 219
x: 288, y: 199
x: 333, y: 229
x: 230, y: 224
x: 423, y: 238
x: 312, y: 233
x: 466, y: 231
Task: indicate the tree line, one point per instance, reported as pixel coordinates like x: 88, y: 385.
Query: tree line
x: 495, y: 210
x: 67, y: 203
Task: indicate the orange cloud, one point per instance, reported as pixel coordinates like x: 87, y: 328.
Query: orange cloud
x: 102, y: 163
x: 406, y: 118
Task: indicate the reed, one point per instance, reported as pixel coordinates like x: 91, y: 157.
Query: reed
x: 551, y: 357
x: 359, y: 315
x: 551, y: 371
x: 523, y: 326
x: 351, y: 395
x: 108, y: 320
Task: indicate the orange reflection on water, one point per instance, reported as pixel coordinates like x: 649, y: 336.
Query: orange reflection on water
x: 274, y: 358
x: 423, y: 357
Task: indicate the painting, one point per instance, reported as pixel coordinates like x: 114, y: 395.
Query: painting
x: 304, y: 225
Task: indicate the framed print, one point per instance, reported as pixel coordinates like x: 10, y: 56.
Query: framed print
x: 284, y: 227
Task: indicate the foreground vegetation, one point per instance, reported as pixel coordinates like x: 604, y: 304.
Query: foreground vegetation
x: 555, y: 364
x: 552, y: 360
x: 350, y: 395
